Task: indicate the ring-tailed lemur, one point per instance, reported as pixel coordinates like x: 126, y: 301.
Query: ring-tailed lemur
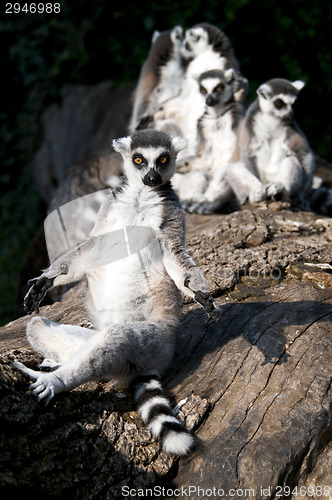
x: 273, y: 159
x: 160, y: 77
x: 204, y: 189
x: 133, y: 302
x: 206, y: 48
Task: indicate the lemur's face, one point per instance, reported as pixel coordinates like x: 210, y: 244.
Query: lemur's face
x: 280, y: 105
x: 154, y: 166
x: 195, y: 42
x: 216, y: 87
x: 212, y: 89
x: 149, y: 156
x: 277, y: 97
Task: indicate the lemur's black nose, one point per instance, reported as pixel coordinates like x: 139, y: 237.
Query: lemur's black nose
x: 152, y: 178
x: 211, y: 101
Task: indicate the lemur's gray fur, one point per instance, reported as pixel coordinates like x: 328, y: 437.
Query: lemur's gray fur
x: 273, y: 158
x: 203, y: 187
x: 136, y: 265
x: 160, y: 78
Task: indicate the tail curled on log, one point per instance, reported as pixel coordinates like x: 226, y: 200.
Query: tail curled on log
x: 155, y: 410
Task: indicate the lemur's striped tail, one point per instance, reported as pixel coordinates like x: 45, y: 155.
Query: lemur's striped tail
x: 155, y: 410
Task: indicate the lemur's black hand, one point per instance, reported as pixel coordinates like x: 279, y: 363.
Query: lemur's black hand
x: 36, y: 293
x: 212, y: 309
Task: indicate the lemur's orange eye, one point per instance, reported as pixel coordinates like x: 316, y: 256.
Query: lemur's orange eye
x: 138, y: 160
x: 202, y: 89
x: 163, y: 159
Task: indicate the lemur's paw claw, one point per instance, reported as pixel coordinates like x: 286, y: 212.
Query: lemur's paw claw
x: 36, y: 293
x: 212, y: 309
x: 215, y: 314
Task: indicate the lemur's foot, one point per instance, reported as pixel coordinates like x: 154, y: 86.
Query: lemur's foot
x: 275, y: 191
x: 49, y: 364
x: 196, y: 206
x: 45, y: 385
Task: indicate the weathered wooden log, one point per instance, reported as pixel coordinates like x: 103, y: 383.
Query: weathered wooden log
x: 80, y: 127
x: 257, y: 383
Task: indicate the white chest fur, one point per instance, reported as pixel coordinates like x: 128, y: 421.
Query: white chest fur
x: 269, y: 146
x: 146, y: 211
x: 118, y: 289
x: 220, y: 140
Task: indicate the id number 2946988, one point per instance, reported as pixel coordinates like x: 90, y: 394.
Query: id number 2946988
x: 33, y: 8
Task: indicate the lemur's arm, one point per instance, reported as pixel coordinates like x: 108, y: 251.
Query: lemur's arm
x: 94, y: 252
x: 189, y: 279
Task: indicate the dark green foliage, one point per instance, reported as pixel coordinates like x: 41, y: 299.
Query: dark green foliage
x: 91, y: 41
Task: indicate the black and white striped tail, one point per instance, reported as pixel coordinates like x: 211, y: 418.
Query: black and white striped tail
x: 155, y: 410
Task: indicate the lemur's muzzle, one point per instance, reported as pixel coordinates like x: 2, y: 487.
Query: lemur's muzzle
x: 211, y: 101
x: 152, y: 178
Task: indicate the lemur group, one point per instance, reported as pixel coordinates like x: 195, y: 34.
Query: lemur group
x: 188, y: 130
x: 191, y: 85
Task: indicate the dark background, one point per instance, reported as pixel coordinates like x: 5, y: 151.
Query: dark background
x: 95, y: 40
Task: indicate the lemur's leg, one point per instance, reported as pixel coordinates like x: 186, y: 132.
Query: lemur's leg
x: 192, y: 186
x: 291, y: 176
x: 289, y: 182
x: 135, y: 352
x: 122, y: 352
x: 55, y: 341
x: 215, y: 197
x: 219, y: 190
x: 245, y: 185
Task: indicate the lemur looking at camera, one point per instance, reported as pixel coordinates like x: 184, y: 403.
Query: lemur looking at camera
x: 136, y: 267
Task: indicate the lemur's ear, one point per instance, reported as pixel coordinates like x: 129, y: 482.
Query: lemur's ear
x: 122, y: 145
x: 298, y: 84
x: 264, y: 90
x: 155, y: 35
x: 229, y: 75
x: 179, y: 143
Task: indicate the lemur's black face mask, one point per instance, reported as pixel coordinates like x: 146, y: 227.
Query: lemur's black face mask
x: 152, y: 178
